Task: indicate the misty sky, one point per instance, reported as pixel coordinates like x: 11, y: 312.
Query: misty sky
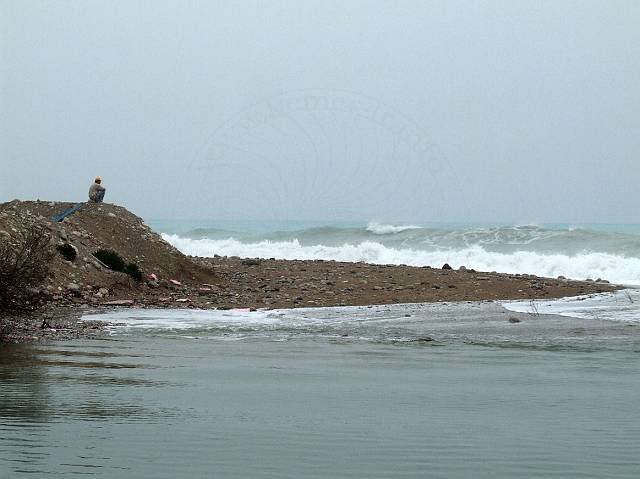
x: 369, y: 110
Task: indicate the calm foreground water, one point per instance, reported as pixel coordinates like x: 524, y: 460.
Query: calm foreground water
x: 350, y: 392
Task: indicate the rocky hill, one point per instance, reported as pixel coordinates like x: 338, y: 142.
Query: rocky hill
x: 102, y: 226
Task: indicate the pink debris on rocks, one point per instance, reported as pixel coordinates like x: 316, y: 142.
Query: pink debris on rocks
x: 175, y: 282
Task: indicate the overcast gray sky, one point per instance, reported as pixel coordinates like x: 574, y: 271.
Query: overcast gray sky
x: 394, y: 111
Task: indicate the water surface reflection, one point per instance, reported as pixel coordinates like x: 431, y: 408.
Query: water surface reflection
x: 365, y: 394
x: 46, y: 390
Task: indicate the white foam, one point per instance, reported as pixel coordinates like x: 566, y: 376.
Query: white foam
x: 231, y: 319
x: 186, y: 319
x: 617, y: 269
x: 617, y: 306
x: 382, y: 229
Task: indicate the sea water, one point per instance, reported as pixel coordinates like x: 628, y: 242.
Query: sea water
x: 444, y: 390
x: 610, y: 252
x: 485, y: 390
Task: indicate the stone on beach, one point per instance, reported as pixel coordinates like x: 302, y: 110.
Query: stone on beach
x: 74, y: 289
x: 120, y: 302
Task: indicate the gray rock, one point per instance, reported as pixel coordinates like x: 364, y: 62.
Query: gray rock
x: 74, y: 289
x: 250, y: 262
x: 446, y: 266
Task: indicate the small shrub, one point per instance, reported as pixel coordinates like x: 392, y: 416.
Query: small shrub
x: 67, y: 251
x: 111, y: 259
x: 25, y: 262
x: 132, y: 270
x: 115, y: 262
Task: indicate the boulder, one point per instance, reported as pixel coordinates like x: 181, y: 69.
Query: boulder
x: 74, y: 289
x: 251, y: 262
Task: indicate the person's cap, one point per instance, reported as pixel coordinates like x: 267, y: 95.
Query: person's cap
x: 98, y: 179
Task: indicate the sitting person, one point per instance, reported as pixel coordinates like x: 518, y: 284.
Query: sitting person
x: 96, y: 192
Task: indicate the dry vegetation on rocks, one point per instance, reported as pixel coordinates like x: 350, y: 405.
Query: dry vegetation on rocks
x: 25, y: 264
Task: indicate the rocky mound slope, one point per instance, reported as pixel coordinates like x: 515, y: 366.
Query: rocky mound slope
x: 101, y: 226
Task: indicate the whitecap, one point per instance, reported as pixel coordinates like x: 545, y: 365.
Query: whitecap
x: 382, y: 229
x: 615, y: 268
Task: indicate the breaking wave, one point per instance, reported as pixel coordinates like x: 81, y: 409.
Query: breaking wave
x: 524, y: 259
x: 382, y: 229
